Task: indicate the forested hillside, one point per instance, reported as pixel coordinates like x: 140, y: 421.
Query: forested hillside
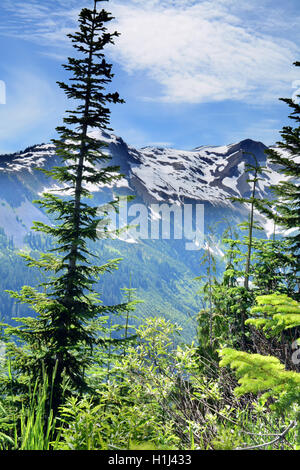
x: 177, y: 350
x: 162, y: 270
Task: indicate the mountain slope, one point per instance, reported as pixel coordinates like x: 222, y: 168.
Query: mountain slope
x: 154, y: 175
x: 162, y: 270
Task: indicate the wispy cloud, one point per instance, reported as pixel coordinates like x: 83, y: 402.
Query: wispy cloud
x: 196, y: 51
x: 201, y: 52
x: 46, y: 24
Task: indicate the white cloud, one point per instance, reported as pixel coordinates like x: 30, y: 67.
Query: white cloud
x: 195, y: 50
x: 46, y: 25
x: 200, y: 52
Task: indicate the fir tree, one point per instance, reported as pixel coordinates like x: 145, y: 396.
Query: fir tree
x: 256, y: 170
x: 286, y: 206
x: 59, y: 341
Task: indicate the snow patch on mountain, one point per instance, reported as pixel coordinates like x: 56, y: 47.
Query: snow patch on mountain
x: 206, y: 174
x: 211, y: 174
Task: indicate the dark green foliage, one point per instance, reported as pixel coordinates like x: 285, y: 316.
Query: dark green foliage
x: 274, y: 267
x: 256, y: 170
x: 227, y: 302
x: 60, y: 339
x: 285, y: 210
x: 258, y: 373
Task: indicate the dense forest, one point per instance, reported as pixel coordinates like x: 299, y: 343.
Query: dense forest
x: 80, y: 374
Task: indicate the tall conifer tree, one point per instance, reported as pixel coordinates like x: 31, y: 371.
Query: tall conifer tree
x: 59, y: 338
x: 286, y: 206
x: 255, y: 171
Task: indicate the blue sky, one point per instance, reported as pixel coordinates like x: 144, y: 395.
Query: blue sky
x: 192, y: 72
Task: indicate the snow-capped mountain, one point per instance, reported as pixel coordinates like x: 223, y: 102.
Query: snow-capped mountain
x: 162, y: 270
x: 211, y: 174
x: 205, y: 174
